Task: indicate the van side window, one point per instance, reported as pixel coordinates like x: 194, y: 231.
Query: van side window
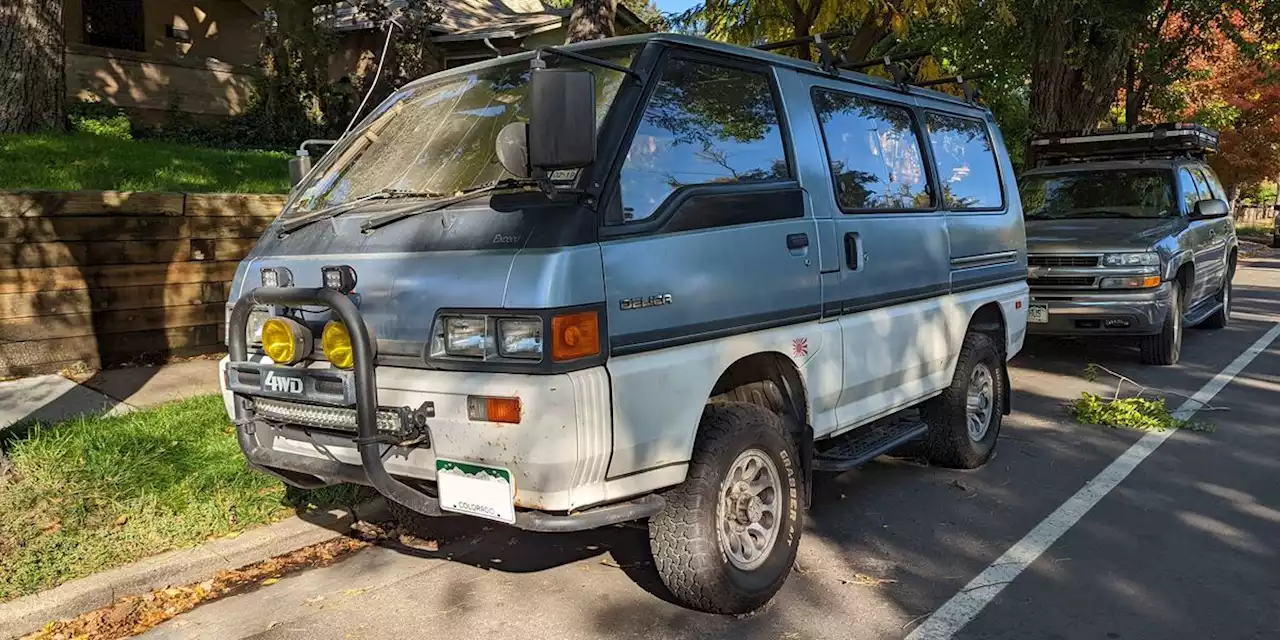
x: 966, y: 163
x: 1190, y: 196
x: 874, y: 153
x: 705, y: 124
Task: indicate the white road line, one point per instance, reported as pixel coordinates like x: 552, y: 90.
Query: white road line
x: 965, y: 605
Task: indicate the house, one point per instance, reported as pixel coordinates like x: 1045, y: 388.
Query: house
x: 467, y: 31
x: 200, y: 56
x: 154, y: 55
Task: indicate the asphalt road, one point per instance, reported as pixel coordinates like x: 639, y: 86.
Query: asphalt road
x: 1186, y: 546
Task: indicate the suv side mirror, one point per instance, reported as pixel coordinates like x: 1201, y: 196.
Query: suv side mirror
x: 561, y: 133
x: 1211, y: 209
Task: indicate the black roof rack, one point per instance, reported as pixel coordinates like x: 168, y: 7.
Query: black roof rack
x: 1167, y: 140
x: 971, y: 92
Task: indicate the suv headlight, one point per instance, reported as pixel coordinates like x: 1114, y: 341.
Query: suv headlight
x: 1144, y: 259
x: 253, y: 328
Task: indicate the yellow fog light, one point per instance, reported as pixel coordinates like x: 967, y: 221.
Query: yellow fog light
x: 285, y: 341
x: 337, y: 345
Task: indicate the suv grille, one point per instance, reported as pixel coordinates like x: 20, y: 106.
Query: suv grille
x: 1063, y: 281
x: 1062, y: 261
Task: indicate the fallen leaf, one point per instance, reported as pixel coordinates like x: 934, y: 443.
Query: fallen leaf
x: 122, y: 519
x: 233, y: 534
x: 270, y: 581
x: 863, y: 580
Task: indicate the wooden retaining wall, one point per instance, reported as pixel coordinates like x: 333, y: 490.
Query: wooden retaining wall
x: 94, y: 278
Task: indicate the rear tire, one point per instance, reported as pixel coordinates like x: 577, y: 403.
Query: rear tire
x: 964, y: 422
x: 744, y: 488
x: 1164, y: 348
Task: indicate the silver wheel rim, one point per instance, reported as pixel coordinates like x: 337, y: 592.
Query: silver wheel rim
x: 980, y: 402
x: 750, y: 509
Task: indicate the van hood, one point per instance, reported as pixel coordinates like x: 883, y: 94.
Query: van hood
x: 1090, y: 235
x: 518, y: 251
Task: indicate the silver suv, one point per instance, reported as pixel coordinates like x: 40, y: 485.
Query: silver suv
x: 1128, y: 234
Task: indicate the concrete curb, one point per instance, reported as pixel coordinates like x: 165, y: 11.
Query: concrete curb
x: 183, y: 566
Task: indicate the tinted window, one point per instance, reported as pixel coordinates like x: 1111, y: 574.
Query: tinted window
x: 704, y: 124
x: 1098, y: 194
x: 874, y: 153
x: 1189, y: 193
x: 1214, y: 184
x: 966, y: 163
x: 1202, y: 185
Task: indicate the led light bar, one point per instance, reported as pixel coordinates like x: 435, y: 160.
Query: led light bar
x: 337, y: 418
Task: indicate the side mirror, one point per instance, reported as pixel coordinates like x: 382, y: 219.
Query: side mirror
x: 1211, y: 209
x: 513, y: 149
x: 562, y: 119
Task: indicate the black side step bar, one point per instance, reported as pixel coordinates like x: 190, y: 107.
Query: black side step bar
x: 867, y: 443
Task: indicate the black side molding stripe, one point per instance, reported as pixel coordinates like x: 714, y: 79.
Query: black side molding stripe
x: 867, y: 303
x: 687, y: 334
x: 984, y: 260
x: 646, y: 470
x: 969, y: 284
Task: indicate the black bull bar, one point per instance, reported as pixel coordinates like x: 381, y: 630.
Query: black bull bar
x: 372, y: 472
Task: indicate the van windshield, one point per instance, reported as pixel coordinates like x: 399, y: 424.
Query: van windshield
x: 1144, y: 193
x: 439, y: 136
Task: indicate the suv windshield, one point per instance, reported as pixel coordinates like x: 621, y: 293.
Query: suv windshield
x: 438, y: 137
x: 1144, y: 193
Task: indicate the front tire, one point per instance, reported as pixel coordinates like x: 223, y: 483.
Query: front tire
x: 964, y: 422
x: 728, y: 536
x: 1164, y: 348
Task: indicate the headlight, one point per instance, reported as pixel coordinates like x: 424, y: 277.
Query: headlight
x: 253, y: 328
x: 1144, y: 259
x: 336, y: 343
x: 465, y: 336
x: 285, y: 341
x: 1130, y: 282
x: 520, y: 338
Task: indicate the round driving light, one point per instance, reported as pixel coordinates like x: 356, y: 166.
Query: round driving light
x: 285, y: 341
x: 337, y: 345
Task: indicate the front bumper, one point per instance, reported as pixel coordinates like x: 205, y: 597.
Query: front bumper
x: 557, y: 455
x: 1096, y: 313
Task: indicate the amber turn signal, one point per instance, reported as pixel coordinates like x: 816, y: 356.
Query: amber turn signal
x: 575, y: 335
x: 487, y: 409
x: 1151, y: 281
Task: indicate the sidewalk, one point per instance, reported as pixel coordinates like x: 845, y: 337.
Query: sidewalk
x: 51, y: 398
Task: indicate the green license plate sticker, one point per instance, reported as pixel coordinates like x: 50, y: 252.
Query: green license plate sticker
x: 476, y: 490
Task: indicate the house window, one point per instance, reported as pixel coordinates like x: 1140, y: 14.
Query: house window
x: 115, y: 24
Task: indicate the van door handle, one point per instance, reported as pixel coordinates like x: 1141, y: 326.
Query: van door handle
x: 797, y: 241
x: 853, y: 250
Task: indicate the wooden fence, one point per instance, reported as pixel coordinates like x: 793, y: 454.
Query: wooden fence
x: 94, y: 278
x: 1254, y: 214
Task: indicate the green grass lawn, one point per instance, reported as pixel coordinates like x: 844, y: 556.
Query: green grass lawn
x: 87, y: 161
x: 1257, y: 231
x: 100, y: 492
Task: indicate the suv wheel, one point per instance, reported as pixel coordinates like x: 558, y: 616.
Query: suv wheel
x: 965, y: 420
x: 727, y: 537
x: 1222, y: 317
x: 1164, y: 347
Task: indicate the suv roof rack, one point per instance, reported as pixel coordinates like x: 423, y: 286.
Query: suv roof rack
x: 1168, y: 140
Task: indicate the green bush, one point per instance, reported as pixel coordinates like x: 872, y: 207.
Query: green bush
x: 99, y: 120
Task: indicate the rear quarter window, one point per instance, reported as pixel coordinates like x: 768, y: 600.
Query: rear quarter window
x: 968, y: 173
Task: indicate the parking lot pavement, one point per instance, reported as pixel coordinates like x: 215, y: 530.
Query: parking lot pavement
x: 1185, y: 547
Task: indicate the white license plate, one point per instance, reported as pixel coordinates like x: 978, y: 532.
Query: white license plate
x: 476, y: 490
x: 1038, y: 313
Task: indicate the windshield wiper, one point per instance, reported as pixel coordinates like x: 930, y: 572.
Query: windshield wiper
x: 470, y: 193
x: 337, y: 209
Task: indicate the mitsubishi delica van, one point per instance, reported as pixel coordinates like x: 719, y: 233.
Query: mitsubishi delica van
x: 651, y: 277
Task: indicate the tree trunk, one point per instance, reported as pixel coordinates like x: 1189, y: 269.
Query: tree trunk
x: 591, y: 20
x: 1078, y: 67
x: 32, y: 66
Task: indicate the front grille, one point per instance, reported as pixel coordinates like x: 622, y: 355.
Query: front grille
x: 310, y: 415
x: 1062, y: 261
x: 1063, y: 282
